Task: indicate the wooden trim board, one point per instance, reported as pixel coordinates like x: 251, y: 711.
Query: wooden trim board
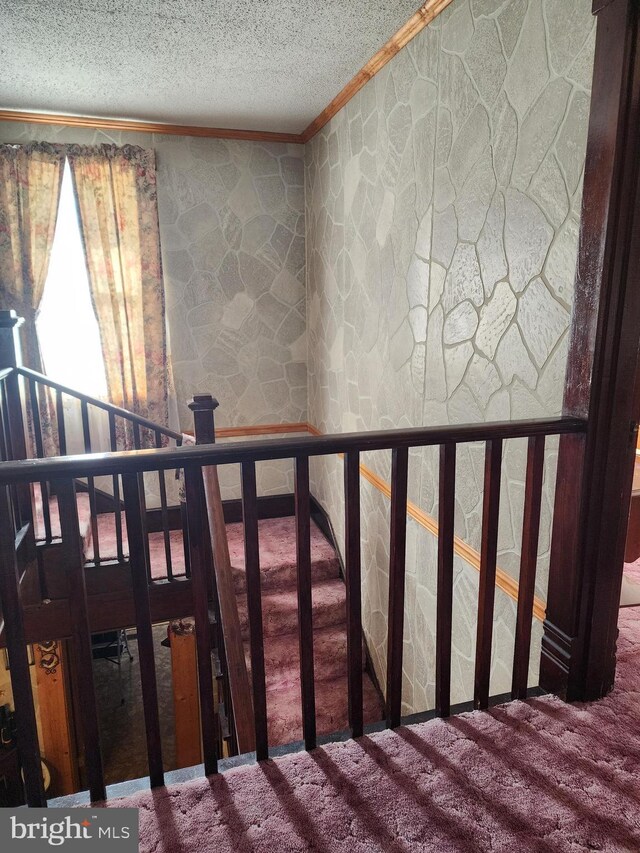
x: 148, y: 127
x: 416, y: 23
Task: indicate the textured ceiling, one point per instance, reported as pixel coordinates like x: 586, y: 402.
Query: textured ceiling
x: 251, y: 64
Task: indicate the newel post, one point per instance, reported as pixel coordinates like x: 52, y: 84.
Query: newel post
x: 595, y: 471
x: 203, y: 406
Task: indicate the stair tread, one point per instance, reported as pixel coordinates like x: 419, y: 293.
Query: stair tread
x: 277, y: 538
x: 280, y: 608
x: 84, y: 516
x: 284, y: 714
x: 282, y: 656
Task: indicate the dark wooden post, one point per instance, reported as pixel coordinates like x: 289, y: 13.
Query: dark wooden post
x: 203, y: 406
x: 11, y: 356
x: 595, y: 474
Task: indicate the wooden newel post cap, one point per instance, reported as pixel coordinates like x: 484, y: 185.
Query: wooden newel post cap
x: 9, y: 319
x: 203, y: 403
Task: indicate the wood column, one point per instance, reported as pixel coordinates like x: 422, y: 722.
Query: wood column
x: 56, y: 717
x: 186, y: 704
x: 595, y: 473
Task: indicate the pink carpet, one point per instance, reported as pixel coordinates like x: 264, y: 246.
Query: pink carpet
x: 534, y: 776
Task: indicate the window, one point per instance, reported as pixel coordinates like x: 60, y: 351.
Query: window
x: 66, y: 323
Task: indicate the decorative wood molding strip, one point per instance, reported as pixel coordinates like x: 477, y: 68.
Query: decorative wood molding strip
x: 149, y: 127
x: 261, y: 429
x: 417, y: 22
x: 504, y: 581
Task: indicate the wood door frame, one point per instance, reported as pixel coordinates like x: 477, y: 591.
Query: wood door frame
x: 595, y: 472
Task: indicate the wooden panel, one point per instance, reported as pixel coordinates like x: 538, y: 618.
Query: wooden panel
x: 254, y: 607
x: 353, y: 570
x: 186, y: 704
x: 444, y: 603
x: 416, y: 23
x: 528, y: 564
x: 487, y: 586
x: 132, y: 488
x: 56, y: 717
x: 236, y: 669
x: 305, y: 610
x: 27, y: 732
x: 397, y: 552
x: 148, y: 127
x: 585, y: 578
x: 200, y: 568
x: 81, y: 637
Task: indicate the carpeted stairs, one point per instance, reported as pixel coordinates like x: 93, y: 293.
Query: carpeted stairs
x: 280, y: 625
x: 277, y: 538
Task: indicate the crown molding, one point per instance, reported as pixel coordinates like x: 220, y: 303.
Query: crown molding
x: 416, y: 23
x: 149, y: 127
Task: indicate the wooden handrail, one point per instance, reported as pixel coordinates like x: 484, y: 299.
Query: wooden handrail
x: 99, y: 464
x: 118, y: 411
x: 241, y: 700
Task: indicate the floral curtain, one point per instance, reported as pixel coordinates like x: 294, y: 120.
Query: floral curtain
x: 30, y: 181
x: 117, y: 201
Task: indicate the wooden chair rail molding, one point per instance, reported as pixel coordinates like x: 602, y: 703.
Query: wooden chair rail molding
x: 416, y: 23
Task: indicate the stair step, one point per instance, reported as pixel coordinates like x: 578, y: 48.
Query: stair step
x: 280, y: 609
x: 278, y: 562
x: 84, y: 516
x: 282, y: 657
x: 284, y: 714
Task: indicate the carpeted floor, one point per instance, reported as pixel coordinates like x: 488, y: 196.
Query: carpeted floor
x: 534, y: 776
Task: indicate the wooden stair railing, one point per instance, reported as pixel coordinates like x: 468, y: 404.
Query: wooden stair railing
x: 197, y: 462
x: 23, y: 393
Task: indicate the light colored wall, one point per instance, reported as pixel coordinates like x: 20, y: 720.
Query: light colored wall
x: 232, y: 234
x: 442, y: 216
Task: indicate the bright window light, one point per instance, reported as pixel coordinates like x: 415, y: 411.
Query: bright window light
x: 66, y: 323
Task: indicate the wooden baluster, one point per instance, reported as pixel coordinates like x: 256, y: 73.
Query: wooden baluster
x: 184, y: 525
x: 136, y: 436
x: 39, y: 447
x: 62, y: 432
x: 446, y: 516
x: 305, y: 612
x: 164, y: 512
x: 353, y: 584
x: 81, y: 635
x: 528, y: 564
x: 27, y: 731
x: 7, y: 451
x: 86, y: 434
x: 135, y: 512
x: 254, y: 606
x: 10, y: 356
x: 200, y: 567
x: 397, y: 565
x: 113, y: 445
x: 487, y: 585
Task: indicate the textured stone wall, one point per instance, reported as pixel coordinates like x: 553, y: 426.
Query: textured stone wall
x: 233, y: 249
x: 442, y: 216
x: 232, y: 232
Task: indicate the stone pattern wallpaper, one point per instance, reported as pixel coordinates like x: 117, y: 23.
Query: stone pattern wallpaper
x: 233, y: 250
x: 442, y: 219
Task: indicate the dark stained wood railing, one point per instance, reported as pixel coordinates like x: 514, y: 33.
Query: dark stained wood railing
x: 121, y: 423
x: 212, y: 583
